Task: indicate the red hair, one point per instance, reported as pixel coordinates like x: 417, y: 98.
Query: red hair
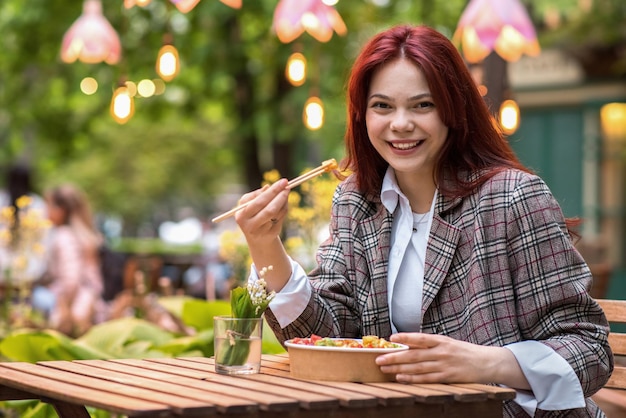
x: 474, y: 143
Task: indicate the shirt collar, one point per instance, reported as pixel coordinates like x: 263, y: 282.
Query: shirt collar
x: 390, y: 191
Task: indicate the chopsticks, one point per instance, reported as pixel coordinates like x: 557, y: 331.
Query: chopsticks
x: 325, y: 167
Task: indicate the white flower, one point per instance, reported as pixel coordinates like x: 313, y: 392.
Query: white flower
x: 258, y: 291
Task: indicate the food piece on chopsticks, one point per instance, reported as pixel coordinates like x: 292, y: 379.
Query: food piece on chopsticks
x: 368, y: 341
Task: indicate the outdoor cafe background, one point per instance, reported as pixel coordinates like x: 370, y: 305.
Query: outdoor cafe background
x: 568, y: 97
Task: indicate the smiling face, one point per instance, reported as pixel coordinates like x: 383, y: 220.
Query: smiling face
x: 402, y: 122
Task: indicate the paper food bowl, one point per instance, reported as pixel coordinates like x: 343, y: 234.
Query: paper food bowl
x: 341, y: 364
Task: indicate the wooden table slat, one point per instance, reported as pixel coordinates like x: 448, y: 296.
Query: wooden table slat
x: 23, y: 377
x: 494, y: 392
x: 385, y: 396
x: 267, y: 399
x: 307, y: 400
x: 421, y: 393
x: 79, y: 374
x: 460, y: 394
x: 160, y: 382
x: 348, y: 396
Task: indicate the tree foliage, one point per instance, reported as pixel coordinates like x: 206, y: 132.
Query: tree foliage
x: 228, y: 117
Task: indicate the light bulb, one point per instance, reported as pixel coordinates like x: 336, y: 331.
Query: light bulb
x: 296, y: 69
x: 89, y: 85
x: 146, y: 88
x: 122, y: 105
x: 313, y: 114
x: 509, y: 116
x: 168, y: 64
x: 613, y: 119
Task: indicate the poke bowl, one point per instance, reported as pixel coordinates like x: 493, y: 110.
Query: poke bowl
x: 339, y: 359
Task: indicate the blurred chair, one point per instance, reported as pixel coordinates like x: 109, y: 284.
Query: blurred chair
x: 612, y: 398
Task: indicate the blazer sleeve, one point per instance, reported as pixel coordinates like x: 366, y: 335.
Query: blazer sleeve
x: 551, y: 282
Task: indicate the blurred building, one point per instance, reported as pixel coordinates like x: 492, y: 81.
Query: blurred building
x: 573, y: 134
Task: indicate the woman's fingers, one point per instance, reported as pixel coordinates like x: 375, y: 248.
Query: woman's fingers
x: 436, y: 358
x: 265, y: 210
x: 251, y: 195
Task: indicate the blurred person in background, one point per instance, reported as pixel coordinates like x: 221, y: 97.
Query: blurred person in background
x: 19, y: 183
x: 73, y: 283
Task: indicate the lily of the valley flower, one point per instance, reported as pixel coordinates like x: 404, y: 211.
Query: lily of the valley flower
x: 251, y: 301
x: 293, y: 17
x: 258, y: 292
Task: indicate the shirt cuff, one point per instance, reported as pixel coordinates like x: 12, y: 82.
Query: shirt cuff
x: 554, y: 383
x: 292, y: 300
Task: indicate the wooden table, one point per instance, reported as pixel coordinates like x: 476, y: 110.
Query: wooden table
x: 189, y: 387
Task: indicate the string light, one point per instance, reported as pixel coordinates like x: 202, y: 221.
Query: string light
x: 613, y: 119
x: 159, y: 86
x: 88, y: 85
x: 313, y: 115
x: 146, y: 88
x: 122, y: 105
x: 509, y: 116
x: 168, y: 63
x: 295, y: 70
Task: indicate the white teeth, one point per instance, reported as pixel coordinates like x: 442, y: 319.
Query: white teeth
x: 405, y: 145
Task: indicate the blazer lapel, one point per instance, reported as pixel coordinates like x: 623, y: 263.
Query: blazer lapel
x: 377, y: 229
x: 442, y: 245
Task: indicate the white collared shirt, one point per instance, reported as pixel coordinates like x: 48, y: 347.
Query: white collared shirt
x: 409, y: 237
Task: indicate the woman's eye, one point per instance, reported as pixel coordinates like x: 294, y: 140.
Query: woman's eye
x: 424, y: 105
x: 380, y: 105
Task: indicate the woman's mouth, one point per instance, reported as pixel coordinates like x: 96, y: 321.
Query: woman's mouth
x: 405, y: 145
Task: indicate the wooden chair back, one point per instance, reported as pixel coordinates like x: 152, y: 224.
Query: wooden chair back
x: 615, y: 311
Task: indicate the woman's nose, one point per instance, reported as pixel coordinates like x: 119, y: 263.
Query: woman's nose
x: 401, y: 122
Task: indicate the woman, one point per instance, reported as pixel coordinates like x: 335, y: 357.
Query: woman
x: 440, y: 239
x: 75, y: 288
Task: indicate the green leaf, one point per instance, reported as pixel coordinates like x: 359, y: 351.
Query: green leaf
x: 41, y: 410
x: 175, y: 304
x: 114, y: 336
x: 241, y: 304
x: 200, y: 344
x: 199, y: 313
x: 32, y: 346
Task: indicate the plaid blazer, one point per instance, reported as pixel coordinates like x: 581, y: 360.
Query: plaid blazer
x: 500, y: 268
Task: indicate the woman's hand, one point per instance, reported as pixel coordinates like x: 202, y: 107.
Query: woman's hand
x: 261, y: 222
x: 262, y: 219
x: 440, y: 359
